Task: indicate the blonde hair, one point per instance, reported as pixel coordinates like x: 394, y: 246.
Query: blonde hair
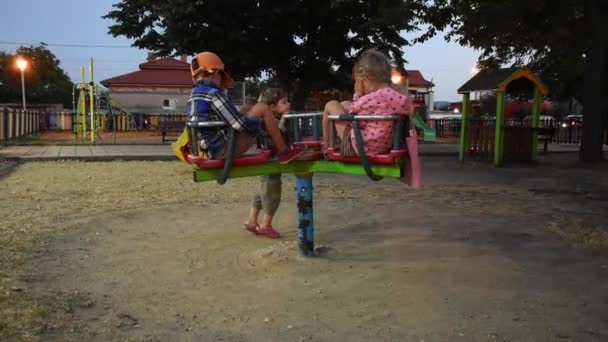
x: 271, y: 96
x: 373, y: 65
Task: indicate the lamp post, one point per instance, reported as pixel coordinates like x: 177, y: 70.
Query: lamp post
x: 22, y: 64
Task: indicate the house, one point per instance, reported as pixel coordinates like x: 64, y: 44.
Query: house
x: 160, y: 86
x: 420, y: 89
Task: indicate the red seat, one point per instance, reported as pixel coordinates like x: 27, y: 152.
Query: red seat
x: 311, y: 155
x: 314, y: 146
x: 260, y: 157
x: 310, y: 142
x: 387, y: 158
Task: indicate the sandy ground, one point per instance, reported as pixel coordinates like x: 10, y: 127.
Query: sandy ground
x: 134, y: 251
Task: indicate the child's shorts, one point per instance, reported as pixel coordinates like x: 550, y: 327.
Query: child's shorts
x: 268, y: 195
x: 346, y: 144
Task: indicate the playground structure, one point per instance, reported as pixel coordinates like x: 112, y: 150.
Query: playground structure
x: 94, y: 111
x: 305, y: 128
x: 428, y: 133
x: 497, y: 139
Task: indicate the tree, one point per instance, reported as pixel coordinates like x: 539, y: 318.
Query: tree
x: 563, y: 41
x: 303, y: 45
x: 45, y: 80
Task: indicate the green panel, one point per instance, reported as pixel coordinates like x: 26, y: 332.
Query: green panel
x: 298, y: 167
x: 498, y: 133
x: 464, y: 122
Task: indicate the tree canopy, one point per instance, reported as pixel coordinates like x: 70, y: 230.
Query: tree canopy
x: 562, y: 41
x: 547, y: 36
x: 45, y: 80
x: 303, y: 45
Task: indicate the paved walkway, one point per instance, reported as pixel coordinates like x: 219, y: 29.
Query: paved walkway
x: 164, y: 152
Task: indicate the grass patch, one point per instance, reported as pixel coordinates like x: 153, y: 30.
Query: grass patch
x: 582, y: 232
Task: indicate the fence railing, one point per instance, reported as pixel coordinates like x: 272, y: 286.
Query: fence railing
x: 15, y: 124
x: 66, y: 121
x: 566, y: 131
x: 561, y: 131
x: 446, y: 128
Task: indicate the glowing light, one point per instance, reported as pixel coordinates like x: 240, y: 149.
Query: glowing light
x: 474, y: 71
x: 21, y: 64
x: 456, y: 110
x: 396, y: 77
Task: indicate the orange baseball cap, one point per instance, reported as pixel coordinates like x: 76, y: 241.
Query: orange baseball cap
x: 210, y: 62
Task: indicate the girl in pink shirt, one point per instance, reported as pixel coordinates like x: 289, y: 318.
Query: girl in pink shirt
x: 374, y: 95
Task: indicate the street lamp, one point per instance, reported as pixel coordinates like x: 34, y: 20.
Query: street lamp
x: 396, y: 77
x: 22, y: 64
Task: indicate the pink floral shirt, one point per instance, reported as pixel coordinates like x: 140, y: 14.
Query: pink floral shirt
x: 378, y: 135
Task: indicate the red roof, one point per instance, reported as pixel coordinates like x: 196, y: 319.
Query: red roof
x: 166, y: 72
x: 417, y: 80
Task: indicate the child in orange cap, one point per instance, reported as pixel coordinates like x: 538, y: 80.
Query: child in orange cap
x: 209, y: 101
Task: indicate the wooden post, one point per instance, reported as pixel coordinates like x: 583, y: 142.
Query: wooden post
x: 464, y: 123
x: 498, y: 133
x: 2, y: 129
x: 535, y: 121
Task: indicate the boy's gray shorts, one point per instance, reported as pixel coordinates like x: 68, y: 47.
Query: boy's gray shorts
x: 268, y: 195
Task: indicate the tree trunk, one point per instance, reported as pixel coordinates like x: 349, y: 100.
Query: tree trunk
x: 595, y: 84
x: 299, y: 98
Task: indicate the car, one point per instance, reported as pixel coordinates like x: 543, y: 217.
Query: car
x: 572, y: 121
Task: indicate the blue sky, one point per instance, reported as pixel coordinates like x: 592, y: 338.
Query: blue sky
x: 78, y: 22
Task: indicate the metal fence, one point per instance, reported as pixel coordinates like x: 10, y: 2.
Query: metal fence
x: 566, y: 131
x: 65, y: 121
x: 16, y: 123
x: 446, y: 128
x: 554, y: 130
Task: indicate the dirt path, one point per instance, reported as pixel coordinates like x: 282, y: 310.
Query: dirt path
x: 473, y: 257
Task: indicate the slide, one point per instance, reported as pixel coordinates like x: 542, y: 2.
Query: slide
x: 428, y: 132
x: 180, y: 146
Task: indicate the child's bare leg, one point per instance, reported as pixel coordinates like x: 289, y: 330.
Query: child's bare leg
x: 260, y: 110
x: 332, y: 108
x: 346, y: 105
x: 254, y: 213
x: 266, y: 221
x: 256, y: 204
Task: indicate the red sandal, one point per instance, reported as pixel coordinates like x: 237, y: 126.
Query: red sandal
x: 268, y: 231
x: 252, y: 228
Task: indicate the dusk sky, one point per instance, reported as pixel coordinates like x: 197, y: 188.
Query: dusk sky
x: 78, y: 22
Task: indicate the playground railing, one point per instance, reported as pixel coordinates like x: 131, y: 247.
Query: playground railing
x: 550, y: 130
x: 17, y: 123
x: 446, y: 127
x: 554, y: 130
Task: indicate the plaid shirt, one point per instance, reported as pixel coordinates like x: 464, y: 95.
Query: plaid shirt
x: 210, y: 103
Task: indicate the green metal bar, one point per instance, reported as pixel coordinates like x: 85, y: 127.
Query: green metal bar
x: 498, y: 133
x: 83, y: 92
x: 92, y: 98
x: 298, y: 167
x: 535, y: 120
x: 464, y: 122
